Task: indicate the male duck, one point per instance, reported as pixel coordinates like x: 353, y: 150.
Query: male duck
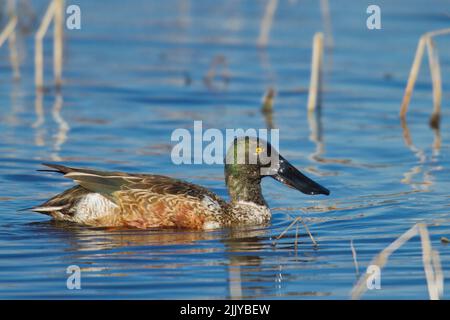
x: 116, y: 199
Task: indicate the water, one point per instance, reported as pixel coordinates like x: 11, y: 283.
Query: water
x: 136, y: 72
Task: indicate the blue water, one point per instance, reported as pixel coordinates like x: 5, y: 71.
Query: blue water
x: 135, y: 72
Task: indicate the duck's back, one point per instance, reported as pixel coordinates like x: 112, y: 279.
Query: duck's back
x: 117, y: 199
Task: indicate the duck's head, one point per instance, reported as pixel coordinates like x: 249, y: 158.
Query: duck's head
x: 249, y: 159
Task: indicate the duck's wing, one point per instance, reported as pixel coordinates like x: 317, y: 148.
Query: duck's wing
x: 110, y: 184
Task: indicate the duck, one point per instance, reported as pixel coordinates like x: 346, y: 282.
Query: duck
x: 127, y: 200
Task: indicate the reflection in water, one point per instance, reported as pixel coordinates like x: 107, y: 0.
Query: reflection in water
x: 16, y: 104
x: 266, y: 66
x: 422, y: 158
x: 245, y: 250
x: 267, y: 108
x: 63, y: 127
x: 315, y: 127
x: 242, y: 248
x: 39, y: 136
x: 218, y: 62
x: 13, y: 52
x: 349, y: 203
x: 326, y: 20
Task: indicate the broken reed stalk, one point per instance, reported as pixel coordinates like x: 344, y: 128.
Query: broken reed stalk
x: 58, y: 32
x: 39, y: 51
x: 426, y: 40
x: 295, y: 222
x: 307, y: 230
x: 266, y: 23
x: 55, y: 12
x: 14, y: 56
x: 412, y: 77
x: 435, y: 70
x: 287, y: 229
x: 434, y: 277
x: 316, y: 71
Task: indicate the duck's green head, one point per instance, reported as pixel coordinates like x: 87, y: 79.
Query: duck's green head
x: 249, y: 159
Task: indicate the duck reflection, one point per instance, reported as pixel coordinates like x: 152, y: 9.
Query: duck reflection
x: 244, y: 250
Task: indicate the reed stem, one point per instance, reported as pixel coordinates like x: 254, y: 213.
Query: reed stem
x: 430, y: 258
x: 316, y: 71
x: 435, y: 70
x: 266, y: 23
x: 39, y: 48
x: 58, y: 32
x: 412, y: 77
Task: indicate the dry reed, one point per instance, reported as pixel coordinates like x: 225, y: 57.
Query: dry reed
x: 430, y: 257
x: 9, y: 28
x: 426, y: 40
x: 295, y: 222
x: 9, y: 33
x: 266, y: 23
x: 316, y: 70
x: 58, y: 41
x: 55, y: 12
x: 39, y: 50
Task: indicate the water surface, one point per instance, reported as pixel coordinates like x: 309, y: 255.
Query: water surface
x: 136, y: 72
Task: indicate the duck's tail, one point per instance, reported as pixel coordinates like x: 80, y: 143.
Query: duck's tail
x: 56, y: 168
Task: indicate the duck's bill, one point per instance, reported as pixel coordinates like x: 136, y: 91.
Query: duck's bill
x: 290, y: 176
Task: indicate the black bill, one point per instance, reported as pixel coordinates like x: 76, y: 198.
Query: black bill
x: 290, y: 176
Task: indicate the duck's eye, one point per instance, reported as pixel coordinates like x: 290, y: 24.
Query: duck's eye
x: 259, y: 150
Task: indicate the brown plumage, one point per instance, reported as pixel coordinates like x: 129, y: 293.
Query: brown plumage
x: 137, y: 200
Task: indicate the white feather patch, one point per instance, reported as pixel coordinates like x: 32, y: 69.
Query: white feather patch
x: 93, y: 206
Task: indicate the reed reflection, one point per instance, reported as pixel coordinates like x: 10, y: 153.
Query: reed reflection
x: 61, y: 135
x: 316, y: 136
x: 39, y: 131
x: 427, y: 177
x: 63, y: 127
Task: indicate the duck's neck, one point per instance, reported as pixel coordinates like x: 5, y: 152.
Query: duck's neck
x: 247, y: 205
x: 245, y: 190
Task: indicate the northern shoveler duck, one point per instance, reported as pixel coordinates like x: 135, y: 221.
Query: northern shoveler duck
x: 117, y: 199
